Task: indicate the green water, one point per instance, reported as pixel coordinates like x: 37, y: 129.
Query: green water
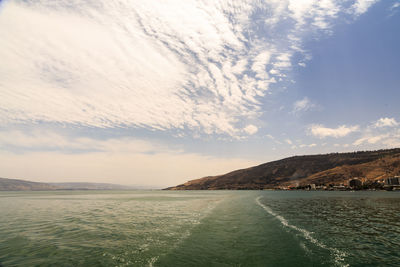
x: 199, y: 228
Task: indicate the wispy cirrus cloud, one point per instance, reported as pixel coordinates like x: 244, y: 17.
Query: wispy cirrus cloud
x: 303, y: 105
x: 194, y: 66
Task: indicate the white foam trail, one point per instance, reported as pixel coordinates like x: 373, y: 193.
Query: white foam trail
x: 152, y: 261
x: 339, y: 255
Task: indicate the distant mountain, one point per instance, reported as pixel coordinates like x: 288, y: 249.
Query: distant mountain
x: 301, y: 170
x: 90, y: 186
x: 21, y: 185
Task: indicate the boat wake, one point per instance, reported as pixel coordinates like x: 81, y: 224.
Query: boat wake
x: 152, y: 261
x: 337, y: 254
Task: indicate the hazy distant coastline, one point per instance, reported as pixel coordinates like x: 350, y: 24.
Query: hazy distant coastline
x: 24, y: 185
x: 327, y: 171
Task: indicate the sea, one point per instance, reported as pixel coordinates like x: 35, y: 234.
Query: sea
x: 199, y: 228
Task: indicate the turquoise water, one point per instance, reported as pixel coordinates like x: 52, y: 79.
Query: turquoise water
x: 199, y: 228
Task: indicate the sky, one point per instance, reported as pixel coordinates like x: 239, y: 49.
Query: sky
x: 160, y: 92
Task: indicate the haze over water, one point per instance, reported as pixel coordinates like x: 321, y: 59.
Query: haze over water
x: 199, y: 228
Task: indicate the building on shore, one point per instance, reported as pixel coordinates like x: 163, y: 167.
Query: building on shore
x: 392, y: 180
x: 339, y: 187
x: 355, y: 183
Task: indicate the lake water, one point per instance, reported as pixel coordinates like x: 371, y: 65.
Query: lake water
x: 199, y: 228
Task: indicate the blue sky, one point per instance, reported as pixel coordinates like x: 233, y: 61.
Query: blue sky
x: 157, y: 93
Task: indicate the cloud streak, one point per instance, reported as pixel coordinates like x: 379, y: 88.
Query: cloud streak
x: 197, y: 66
x: 321, y: 131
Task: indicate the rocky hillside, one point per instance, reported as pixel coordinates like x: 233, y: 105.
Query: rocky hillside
x: 319, y: 169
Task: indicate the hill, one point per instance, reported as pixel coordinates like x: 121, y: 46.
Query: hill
x: 90, y: 186
x: 21, y: 185
x: 302, y: 170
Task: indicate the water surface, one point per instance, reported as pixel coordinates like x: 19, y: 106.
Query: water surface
x: 199, y: 228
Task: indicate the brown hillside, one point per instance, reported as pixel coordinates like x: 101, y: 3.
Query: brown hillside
x: 303, y: 169
x: 378, y: 169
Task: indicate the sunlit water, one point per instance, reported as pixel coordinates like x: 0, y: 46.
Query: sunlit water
x: 199, y: 228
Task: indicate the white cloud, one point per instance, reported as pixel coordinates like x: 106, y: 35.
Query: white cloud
x: 305, y: 145
x: 388, y: 140
x: 259, y: 64
x: 386, y: 122
x: 320, y: 131
x: 395, y: 5
x: 384, y: 132
x: 392, y: 142
x: 370, y: 139
x: 250, y: 129
x: 361, y: 6
x: 302, y: 105
x: 393, y: 9
x: 172, y: 65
